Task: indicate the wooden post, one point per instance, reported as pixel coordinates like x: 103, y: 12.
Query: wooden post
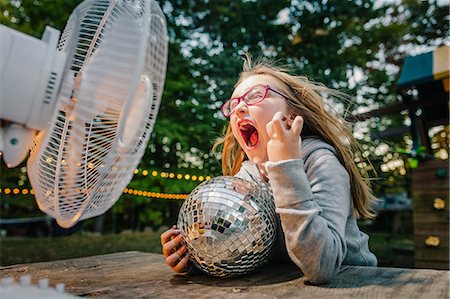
x: 430, y: 194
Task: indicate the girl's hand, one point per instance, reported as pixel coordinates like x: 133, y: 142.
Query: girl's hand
x: 285, y: 140
x: 173, y: 250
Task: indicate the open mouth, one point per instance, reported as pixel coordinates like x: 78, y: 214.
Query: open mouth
x: 250, y: 134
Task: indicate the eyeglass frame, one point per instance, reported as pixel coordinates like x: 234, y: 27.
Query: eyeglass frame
x: 239, y: 99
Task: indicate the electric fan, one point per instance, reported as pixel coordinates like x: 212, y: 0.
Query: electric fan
x: 92, y: 99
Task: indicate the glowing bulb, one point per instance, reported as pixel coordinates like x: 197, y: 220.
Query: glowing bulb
x: 136, y: 171
x: 187, y: 176
x: 154, y: 173
x: 144, y: 172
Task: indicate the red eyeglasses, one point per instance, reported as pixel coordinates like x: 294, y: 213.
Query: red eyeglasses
x: 252, y: 97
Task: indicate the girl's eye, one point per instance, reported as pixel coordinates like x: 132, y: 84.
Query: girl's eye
x: 232, y: 104
x: 254, y: 96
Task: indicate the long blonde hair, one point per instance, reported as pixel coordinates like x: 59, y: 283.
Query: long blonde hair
x: 305, y: 100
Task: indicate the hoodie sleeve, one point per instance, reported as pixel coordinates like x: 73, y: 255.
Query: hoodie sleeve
x: 313, y: 208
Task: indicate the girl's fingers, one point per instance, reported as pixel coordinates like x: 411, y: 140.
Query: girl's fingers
x: 269, y: 129
x: 168, y: 234
x: 297, y: 125
x: 277, y: 125
x: 169, y: 246
x: 182, y: 265
x: 173, y: 259
x: 289, y: 123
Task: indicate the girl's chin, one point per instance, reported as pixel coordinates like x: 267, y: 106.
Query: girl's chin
x: 255, y: 154
x: 257, y: 159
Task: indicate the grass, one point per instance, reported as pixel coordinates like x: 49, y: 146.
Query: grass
x: 29, y: 250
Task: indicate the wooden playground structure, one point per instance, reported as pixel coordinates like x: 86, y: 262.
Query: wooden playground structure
x: 424, y: 89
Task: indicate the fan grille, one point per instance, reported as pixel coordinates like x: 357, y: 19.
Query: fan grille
x: 79, y: 168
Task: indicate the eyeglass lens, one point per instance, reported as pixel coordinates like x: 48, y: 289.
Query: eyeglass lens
x: 253, y: 96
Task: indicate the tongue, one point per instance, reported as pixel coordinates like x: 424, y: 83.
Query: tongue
x: 253, y: 139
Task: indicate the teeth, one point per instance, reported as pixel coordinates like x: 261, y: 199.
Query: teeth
x: 244, y: 124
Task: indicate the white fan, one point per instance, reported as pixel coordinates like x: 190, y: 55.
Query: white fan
x: 93, y: 99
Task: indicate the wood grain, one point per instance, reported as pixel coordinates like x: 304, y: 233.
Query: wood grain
x: 145, y: 275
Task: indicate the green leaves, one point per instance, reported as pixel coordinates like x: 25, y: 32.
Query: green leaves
x: 355, y: 46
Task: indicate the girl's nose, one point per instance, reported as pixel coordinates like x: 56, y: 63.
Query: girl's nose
x: 241, y: 108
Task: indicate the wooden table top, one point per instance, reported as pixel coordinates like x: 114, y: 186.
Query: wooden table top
x: 145, y: 275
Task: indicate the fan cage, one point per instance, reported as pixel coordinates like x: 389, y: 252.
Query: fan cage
x: 75, y: 167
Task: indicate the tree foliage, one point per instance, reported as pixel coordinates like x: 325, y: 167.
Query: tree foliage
x: 355, y: 46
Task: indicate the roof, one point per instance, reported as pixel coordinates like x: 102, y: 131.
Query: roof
x: 424, y: 68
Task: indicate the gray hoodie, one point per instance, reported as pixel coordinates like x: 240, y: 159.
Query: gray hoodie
x: 314, y: 204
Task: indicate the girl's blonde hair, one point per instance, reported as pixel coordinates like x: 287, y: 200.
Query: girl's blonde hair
x: 305, y: 100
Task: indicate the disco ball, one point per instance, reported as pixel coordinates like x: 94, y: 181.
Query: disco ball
x: 228, y: 225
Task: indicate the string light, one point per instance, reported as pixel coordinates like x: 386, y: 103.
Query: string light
x: 135, y: 192
x: 16, y: 191
x: 171, y: 175
x: 155, y: 173
x: 155, y: 194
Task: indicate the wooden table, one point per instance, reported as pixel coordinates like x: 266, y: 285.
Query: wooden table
x: 145, y: 275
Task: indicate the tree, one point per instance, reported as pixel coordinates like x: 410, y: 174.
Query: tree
x: 355, y: 46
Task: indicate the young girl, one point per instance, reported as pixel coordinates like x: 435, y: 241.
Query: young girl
x: 280, y: 132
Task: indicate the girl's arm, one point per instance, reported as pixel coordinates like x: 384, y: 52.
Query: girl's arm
x: 313, y: 209
x: 314, y: 206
